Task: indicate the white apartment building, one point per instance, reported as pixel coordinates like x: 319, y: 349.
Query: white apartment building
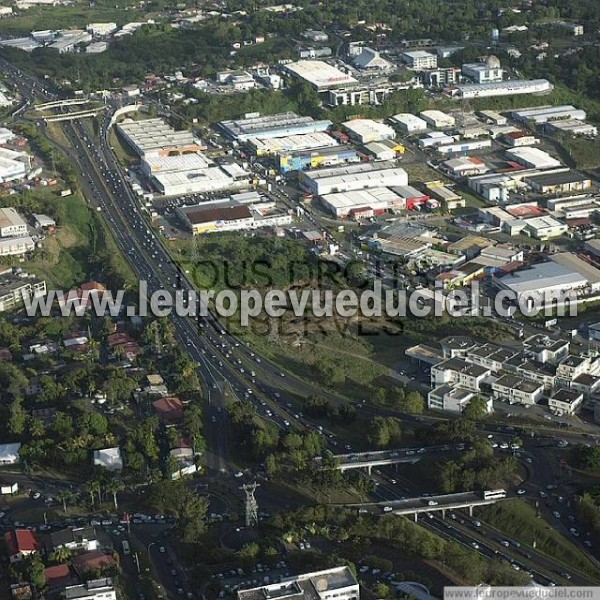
x: 96, y: 589
x: 449, y: 398
x: 489, y: 356
x: 458, y: 372
x: 516, y: 390
x: 11, y: 223
x: 565, y: 402
x: 484, y: 72
x: 419, y: 59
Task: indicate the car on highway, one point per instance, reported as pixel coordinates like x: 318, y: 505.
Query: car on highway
x: 521, y: 492
x: 556, y: 514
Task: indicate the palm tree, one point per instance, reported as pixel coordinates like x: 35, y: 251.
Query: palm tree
x: 66, y: 496
x: 92, y: 488
x: 61, y: 554
x: 114, y: 486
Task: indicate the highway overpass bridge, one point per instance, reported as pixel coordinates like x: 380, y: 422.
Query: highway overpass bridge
x: 379, y: 458
x: 429, y: 504
x: 71, y: 116
x: 61, y: 103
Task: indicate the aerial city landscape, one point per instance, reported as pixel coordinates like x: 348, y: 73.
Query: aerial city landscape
x: 299, y: 301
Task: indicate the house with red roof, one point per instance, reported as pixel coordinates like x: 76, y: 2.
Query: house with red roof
x: 92, y: 561
x: 5, y: 354
x: 169, y: 410
x: 21, y: 543
x: 92, y: 286
x: 59, y: 576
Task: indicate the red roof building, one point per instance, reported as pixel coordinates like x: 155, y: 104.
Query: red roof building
x: 5, y: 354
x: 91, y: 561
x: 59, y: 576
x: 21, y: 543
x: 169, y: 410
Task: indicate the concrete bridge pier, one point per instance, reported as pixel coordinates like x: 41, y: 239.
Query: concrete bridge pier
x: 443, y: 513
x: 416, y: 517
x: 470, y: 511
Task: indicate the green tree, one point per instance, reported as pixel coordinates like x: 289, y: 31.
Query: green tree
x: 476, y: 409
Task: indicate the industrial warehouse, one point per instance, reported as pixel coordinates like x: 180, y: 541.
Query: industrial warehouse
x: 255, y: 126
x: 173, y: 161
x: 353, y: 177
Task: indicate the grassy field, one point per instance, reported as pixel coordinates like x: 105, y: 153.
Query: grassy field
x: 518, y: 520
x: 79, y: 15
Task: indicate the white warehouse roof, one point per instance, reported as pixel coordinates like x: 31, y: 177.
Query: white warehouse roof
x: 320, y: 74
x: 542, y: 278
x: 542, y: 114
x: 437, y: 117
x: 293, y: 143
x: 533, y: 158
x: 373, y: 197
x: 109, y: 458
x: 368, y: 130
x: 411, y: 122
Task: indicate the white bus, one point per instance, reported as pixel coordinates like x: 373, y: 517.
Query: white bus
x: 125, y: 545
x: 494, y: 494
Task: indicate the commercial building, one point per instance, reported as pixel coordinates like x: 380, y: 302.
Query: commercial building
x: 533, y: 158
x: 271, y: 126
x: 331, y: 584
x: 96, y: 47
x: 493, y: 117
x: 321, y: 75
x: 444, y: 194
x: 437, y: 119
x: 362, y: 203
x: 367, y: 130
x: 419, y: 60
x: 519, y: 138
x: 484, y: 72
x: 542, y: 280
x: 371, y: 60
x: 500, y: 88
x: 411, y: 198
x: 559, y: 182
x: 544, y: 228
x: 465, y: 166
x: 384, y: 150
x: 317, y: 158
x: 516, y: 390
x: 11, y: 223
x: 153, y: 137
x: 544, y: 114
x: 13, y: 165
x: 572, y: 261
x: 201, y: 219
x: 353, y: 177
x: 409, y: 123
x: 101, y: 29
x: 292, y: 143
x: 231, y: 216
x: 178, y: 183
x: 572, y: 127
x: 435, y: 138
x: 464, y: 146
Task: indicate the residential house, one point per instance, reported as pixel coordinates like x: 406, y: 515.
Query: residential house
x: 544, y: 349
x: 565, y: 402
x: 92, y: 562
x: 21, y: 543
x: 516, y: 390
x: 456, y: 346
x: 9, y: 454
x: 490, y: 356
x: 169, y: 410
x: 452, y: 399
x: 458, y: 372
x: 80, y: 538
x: 96, y: 589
